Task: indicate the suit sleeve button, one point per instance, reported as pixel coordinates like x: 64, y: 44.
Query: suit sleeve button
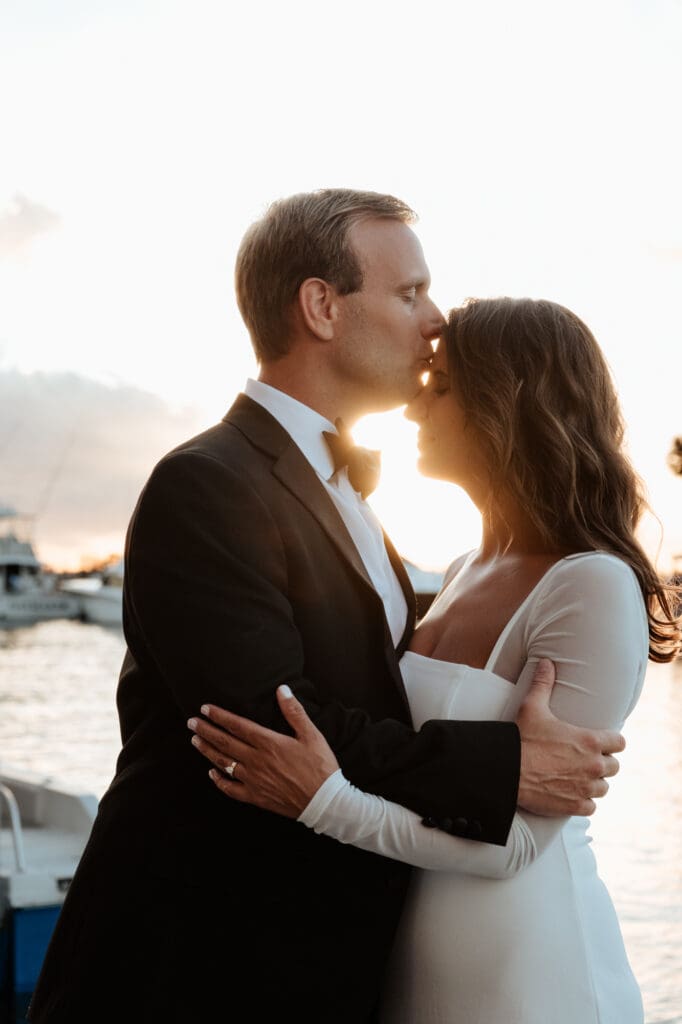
x: 460, y: 826
x: 446, y: 824
x: 430, y: 822
x: 475, y: 829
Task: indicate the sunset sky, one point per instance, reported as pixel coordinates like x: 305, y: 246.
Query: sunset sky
x: 538, y: 141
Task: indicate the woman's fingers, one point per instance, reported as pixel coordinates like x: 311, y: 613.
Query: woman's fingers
x: 244, y: 728
x: 227, y: 786
x: 224, y: 742
x: 222, y: 759
x: 222, y: 722
x: 277, y: 773
x: 295, y: 713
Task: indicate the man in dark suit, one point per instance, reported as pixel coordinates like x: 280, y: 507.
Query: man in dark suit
x: 250, y: 562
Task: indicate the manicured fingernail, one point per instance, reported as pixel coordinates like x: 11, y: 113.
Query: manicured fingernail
x: 285, y: 690
x: 192, y: 723
x: 205, y: 710
x: 196, y: 741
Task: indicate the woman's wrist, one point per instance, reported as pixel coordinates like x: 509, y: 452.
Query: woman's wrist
x: 323, y: 796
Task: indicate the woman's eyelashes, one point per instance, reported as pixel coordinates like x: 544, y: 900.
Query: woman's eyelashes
x: 439, y: 383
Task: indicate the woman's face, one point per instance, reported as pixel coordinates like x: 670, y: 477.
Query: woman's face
x: 448, y: 447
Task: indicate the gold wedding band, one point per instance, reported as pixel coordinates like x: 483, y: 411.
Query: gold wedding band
x: 229, y: 769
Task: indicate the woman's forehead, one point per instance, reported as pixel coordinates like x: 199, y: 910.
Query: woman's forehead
x: 440, y: 359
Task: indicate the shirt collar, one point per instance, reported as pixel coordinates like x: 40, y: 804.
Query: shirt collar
x: 302, y: 423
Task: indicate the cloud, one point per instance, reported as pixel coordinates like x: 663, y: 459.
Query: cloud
x: 22, y: 222
x: 75, y: 454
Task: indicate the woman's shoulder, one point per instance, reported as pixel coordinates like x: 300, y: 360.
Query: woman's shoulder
x: 601, y: 567
x: 598, y: 581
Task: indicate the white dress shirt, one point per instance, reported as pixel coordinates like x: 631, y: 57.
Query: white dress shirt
x: 305, y: 427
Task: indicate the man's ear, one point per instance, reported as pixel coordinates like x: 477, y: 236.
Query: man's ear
x: 318, y: 303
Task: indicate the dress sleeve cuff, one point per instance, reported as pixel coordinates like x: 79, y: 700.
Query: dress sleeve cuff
x: 332, y: 785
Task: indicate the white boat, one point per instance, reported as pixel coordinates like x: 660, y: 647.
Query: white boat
x: 27, y: 593
x: 100, y: 598
x: 43, y: 830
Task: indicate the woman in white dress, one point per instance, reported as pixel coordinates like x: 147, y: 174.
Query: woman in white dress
x: 519, y: 410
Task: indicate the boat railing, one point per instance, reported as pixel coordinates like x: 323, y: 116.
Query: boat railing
x: 10, y: 800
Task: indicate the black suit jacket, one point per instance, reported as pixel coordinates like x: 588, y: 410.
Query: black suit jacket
x: 240, y: 575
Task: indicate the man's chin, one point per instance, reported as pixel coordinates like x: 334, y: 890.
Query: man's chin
x: 387, y: 402
x: 415, y: 387
x: 408, y: 392
x: 384, y: 399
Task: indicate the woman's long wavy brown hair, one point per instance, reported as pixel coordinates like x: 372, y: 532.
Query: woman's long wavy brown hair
x: 537, y: 391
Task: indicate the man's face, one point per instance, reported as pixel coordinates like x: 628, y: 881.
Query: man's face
x: 383, y: 345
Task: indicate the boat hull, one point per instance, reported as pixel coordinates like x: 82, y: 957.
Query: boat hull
x: 103, y: 604
x: 23, y: 609
x: 45, y: 829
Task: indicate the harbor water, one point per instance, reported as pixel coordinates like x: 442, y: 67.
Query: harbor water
x: 58, y: 719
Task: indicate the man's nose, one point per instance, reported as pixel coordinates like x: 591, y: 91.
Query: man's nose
x: 434, y: 324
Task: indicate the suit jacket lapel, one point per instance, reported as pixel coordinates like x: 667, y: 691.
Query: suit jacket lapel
x: 408, y: 591
x: 295, y: 472
x: 293, y: 469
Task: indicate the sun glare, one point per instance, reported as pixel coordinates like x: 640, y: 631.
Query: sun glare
x: 117, y: 244
x: 430, y: 522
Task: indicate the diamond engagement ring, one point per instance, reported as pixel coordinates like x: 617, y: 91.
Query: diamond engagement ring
x: 229, y: 768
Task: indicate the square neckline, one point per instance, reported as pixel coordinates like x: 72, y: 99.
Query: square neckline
x: 499, y: 643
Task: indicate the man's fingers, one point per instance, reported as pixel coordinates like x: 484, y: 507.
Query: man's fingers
x: 543, y: 680
x: 611, y: 767
x: 611, y: 742
x: 600, y: 788
x: 573, y: 806
x: 545, y: 673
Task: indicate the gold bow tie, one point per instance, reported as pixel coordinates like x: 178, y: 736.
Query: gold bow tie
x: 364, y: 464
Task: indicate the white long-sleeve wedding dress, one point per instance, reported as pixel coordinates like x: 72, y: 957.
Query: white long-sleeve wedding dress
x: 525, y: 933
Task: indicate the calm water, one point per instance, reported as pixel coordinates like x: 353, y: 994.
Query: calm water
x: 57, y: 718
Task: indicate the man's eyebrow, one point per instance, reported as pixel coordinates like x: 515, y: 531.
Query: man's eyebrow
x: 415, y: 282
